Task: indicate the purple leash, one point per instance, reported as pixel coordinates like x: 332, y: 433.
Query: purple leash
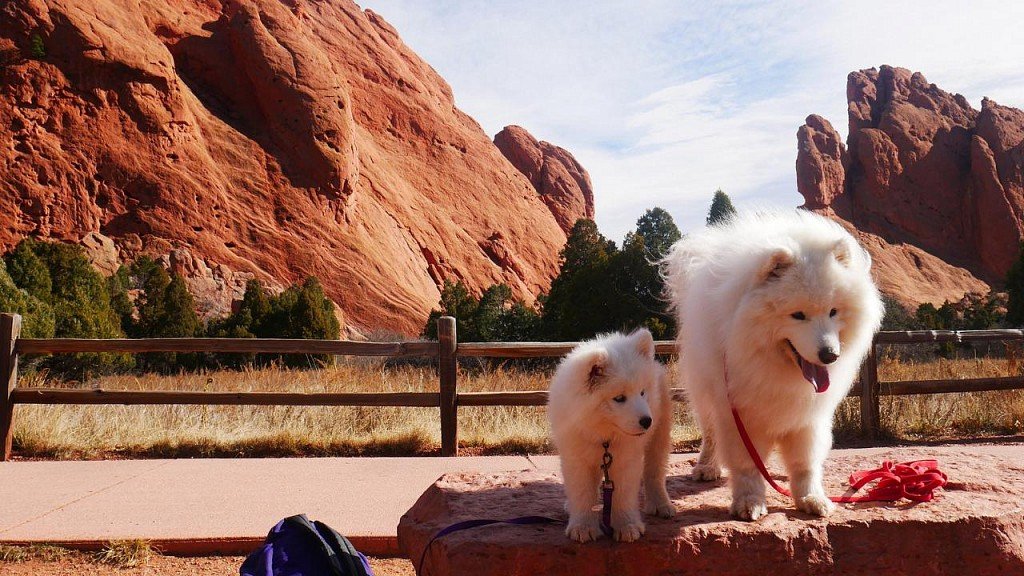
x: 607, y: 487
x: 466, y: 524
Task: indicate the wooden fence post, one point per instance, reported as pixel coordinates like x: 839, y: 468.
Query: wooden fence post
x: 870, y: 417
x: 10, y: 329
x: 447, y: 368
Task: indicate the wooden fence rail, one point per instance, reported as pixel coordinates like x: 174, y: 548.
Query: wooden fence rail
x: 446, y: 350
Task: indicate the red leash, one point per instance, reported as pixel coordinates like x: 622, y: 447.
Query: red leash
x: 915, y: 480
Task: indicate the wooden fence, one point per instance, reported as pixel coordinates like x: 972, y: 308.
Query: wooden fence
x: 447, y: 350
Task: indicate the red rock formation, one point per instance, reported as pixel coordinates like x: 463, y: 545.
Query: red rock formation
x: 263, y: 138
x: 913, y: 276
x: 925, y: 172
x: 978, y: 519
x: 820, y: 166
x: 559, y: 179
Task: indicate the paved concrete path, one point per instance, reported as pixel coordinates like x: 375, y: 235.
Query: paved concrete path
x: 221, y: 505
x: 227, y: 505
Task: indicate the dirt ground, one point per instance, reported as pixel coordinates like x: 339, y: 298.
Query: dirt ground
x: 76, y: 564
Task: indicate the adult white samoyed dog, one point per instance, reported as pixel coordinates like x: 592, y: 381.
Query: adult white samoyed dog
x: 612, y: 389
x: 776, y: 313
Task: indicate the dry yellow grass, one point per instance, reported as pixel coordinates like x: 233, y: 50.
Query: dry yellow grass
x: 945, y: 416
x: 126, y: 553
x: 132, y: 431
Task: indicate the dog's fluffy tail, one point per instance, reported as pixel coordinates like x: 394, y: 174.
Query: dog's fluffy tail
x: 701, y: 249
x: 677, y: 268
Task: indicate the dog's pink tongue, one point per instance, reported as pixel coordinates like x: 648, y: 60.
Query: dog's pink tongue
x: 815, y: 374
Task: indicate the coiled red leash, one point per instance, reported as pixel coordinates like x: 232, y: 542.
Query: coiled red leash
x: 916, y: 480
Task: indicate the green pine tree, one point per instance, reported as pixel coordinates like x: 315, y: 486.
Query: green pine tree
x: 82, y: 309
x: 153, y: 280
x: 721, y: 208
x: 179, y: 318
x: 582, y: 300
x: 493, y: 305
x: 28, y: 271
x: 169, y: 312
x: 659, y: 232
x: 495, y: 316
x: 457, y: 302
x: 117, y: 286
x: 519, y: 323
x: 37, y: 316
x: 254, y: 310
x: 313, y: 313
x: 584, y: 247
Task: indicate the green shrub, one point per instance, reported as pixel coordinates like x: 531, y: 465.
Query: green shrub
x: 79, y: 301
x: 28, y: 270
x: 898, y: 318
x: 117, y: 286
x: 37, y: 48
x: 495, y: 317
x: 301, y: 311
x: 37, y: 316
x: 166, y: 310
x: 599, y: 288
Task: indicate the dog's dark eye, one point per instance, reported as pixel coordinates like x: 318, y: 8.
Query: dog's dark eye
x: 642, y: 392
x: 620, y: 398
x: 798, y: 316
x: 832, y: 312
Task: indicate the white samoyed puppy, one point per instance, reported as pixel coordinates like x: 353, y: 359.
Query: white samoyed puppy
x: 776, y: 312
x: 612, y: 389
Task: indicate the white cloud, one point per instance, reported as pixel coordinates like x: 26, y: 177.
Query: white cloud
x: 664, y: 102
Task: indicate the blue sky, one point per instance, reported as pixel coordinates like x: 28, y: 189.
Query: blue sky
x: 665, y: 101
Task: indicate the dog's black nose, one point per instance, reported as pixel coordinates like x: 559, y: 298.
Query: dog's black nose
x: 645, y: 422
x: 827, y: 355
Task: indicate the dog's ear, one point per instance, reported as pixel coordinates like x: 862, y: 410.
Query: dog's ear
x: 841, y: 250
x: 595, y: 362
x: 778, y: 261
x: 644, y: 342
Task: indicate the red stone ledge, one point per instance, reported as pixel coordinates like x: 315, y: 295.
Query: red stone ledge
x: 975, y: 526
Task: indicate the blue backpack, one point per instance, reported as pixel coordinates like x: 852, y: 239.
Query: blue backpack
x: 298, y: 547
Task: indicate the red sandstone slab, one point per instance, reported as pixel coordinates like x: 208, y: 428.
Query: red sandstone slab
x: 975, y: 526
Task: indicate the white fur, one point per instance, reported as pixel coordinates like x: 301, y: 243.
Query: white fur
x: 734, y: 287
x: 583, y: 414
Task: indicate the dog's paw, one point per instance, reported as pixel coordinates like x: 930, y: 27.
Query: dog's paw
x: 630, y: 531
x: 663, y: 509
x: 748, y: 507
x: 706, y: 472
x: 584, y: 529
x: 815, y: 504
